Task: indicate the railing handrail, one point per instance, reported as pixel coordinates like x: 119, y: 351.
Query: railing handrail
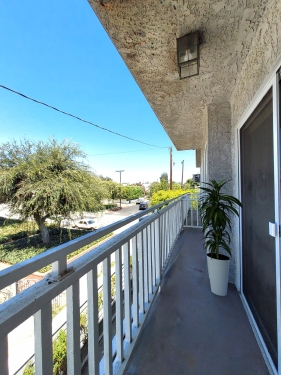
x: 16, y: 310
x: 20, y: 270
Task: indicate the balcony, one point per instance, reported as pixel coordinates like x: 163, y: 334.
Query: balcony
x: 154, y: 313
x: 188, y: 329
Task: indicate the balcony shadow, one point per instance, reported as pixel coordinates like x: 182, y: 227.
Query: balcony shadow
x: 191, y: 331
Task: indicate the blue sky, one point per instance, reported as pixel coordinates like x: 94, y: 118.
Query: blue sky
x: 58, y: 52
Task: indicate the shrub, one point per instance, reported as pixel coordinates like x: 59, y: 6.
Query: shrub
x: 110, y: 205
x: 29, y: 370
x: 25, y: 248
x: 165, y: 195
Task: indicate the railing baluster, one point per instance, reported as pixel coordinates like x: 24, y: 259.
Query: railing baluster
x: 127, y: 292
x: 197, y: 210
x: 107, y: 316
x: 141, y: 271
x: 93, y: 323
x: 191, y: 210
x: 163, y: 240
x: 43, y: 340
x: 119, y: 305
x: 149, y: 261
x: 157, y: 252
x: 166, y: 236
x: 59, y: 267
x: 73, y: 330
x: 153, y: 252
x: 135, y: 283
x: 145, y: 265
x: 160, y: 242
x: 171, y: 222
x: 4, y: 355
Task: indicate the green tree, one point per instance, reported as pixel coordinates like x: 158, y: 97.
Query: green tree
x: 189, y: 184
x: 112, y: 189
x: 132, y: 192
x: 154, y: 187
x: 105, y: 178
x: 176, y: 186
x: 47, y: 178
x: 164, y: 176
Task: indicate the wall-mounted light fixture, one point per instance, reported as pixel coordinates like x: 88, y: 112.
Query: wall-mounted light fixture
x: 188, y: 55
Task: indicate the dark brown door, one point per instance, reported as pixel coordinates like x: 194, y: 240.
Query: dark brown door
x: 258, y: 247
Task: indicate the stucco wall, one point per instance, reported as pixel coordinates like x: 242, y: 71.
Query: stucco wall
x: 263, y: 54
x: 218, y: 161
x: 219, y: 142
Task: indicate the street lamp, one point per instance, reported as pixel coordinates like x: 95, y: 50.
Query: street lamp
x: 120, y: 184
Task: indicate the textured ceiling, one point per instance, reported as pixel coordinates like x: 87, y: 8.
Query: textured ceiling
x: 145, y: 32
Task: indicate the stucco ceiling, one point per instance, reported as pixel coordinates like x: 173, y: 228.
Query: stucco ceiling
x: 145, y: 32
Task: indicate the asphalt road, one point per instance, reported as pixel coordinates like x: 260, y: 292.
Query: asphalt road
x: 110, y: 217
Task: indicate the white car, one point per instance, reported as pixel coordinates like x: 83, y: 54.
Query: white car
x: 85, y: 224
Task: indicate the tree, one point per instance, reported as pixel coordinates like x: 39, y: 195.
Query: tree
x: 164, y: 176
x: 190, y: 184
x: 43, y: 179
x: 105, y: 178
x: 142, y: 187
x: 132, y: 192
x: 112, y: 189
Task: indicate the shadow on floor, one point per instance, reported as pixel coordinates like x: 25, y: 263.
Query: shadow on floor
x: 191, y: 331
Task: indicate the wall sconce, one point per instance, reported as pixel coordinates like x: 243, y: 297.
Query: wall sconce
x: 188, y: 55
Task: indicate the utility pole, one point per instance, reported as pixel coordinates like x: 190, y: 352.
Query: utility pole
x: 120, y: 184
x: 182, y: 163
x: 171, y: 168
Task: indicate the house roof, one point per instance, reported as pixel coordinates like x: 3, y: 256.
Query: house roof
x: 145, y: 32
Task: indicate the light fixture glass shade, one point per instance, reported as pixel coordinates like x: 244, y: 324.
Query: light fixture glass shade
x: 189, y: 70
x: 183, y: 56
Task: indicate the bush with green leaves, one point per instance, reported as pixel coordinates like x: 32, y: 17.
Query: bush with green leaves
x: 165, y: 195
x: 60, y: 349
x: 59, y: 356
x: 132, y: 192
x: 24, y: 248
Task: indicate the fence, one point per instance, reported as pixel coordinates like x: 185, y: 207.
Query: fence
x: 141, y: 254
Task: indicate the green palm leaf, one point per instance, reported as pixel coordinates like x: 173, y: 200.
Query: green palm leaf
x: 216, y: 210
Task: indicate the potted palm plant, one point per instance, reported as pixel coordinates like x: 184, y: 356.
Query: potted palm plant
x: 216, y: 209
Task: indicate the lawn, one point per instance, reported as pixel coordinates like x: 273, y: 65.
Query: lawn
x: 21, y: 240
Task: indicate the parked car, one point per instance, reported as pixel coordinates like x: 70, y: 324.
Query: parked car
x: 143, y: 206
x: 139, y: 200
x: 85, y: 224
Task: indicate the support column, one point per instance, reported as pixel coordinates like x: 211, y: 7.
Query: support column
x: 219, y: 153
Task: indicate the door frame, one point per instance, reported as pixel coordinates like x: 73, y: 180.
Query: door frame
x: 271, y: 82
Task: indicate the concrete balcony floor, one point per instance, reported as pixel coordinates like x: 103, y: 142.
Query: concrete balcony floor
x: 191, y: 331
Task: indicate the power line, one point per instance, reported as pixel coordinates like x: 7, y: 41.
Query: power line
x: 127, y: 152
x: 76, y: 117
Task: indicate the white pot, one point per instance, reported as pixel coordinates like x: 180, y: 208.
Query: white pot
x: 218, y: 274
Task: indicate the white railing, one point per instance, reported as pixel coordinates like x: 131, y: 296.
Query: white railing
x: 193, y: 219
x: 141, y: 254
